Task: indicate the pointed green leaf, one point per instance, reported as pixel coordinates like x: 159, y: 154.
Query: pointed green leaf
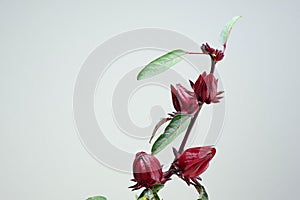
x: 156, y: 197
x: 159, y: 124
x: 202, y: 193
x: 161, y: 64
x: 157, y: 187
x: 145, y: 195
x: 148, y: 194
x: 227, y: 29
x: 97, y: 198
x: 142, y: 194
x: 178, y: 124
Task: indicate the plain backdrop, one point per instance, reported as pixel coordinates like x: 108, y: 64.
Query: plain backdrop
x: 44, y: 43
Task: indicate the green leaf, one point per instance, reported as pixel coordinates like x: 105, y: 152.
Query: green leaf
x: 148, y: 194
x: 227, y: 29
x: 161, y: 64
x: 159, y: 124
x: 202, y: 193
x: 177, y: 125
x: 157, y: 187
x: 145, y: 195
x: 156, y: 197
x: 97, y: 198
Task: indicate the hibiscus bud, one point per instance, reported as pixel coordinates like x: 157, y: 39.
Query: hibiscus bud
x: 194, y: 161
x: 205, y: 88
x: 184, y: 101
x: 207, y: 49
x: 147, y: 171
x: 216, y: 54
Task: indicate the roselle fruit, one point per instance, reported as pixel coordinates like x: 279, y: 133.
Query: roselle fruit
x: 184, y: 101
x: 205, y: 88
x: 194, y: 161
x: 147, y: 171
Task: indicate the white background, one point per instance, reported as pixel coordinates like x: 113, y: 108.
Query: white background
x: 44, y: 43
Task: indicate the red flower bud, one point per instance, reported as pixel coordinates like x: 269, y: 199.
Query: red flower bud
x: 194, y: 161
x: 184, y: 101
x: 205, y: 88
x: 207, y: 49
x: 216, y: 54
x: 147, y: 171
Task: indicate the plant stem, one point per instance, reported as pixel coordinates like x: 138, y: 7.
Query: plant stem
x: 196, y: 53
x: 188, y: 131
x: 213, y: 66
x: 190, y: 127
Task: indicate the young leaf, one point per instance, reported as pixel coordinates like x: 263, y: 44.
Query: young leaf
x: 227, y: 29
x: 157, y: 187
x: 161, y: 64
x: 97, y: 198
x: 177, y: 125
x: 148, y: 194
x: 159, y: 124
x: 156, y: 197
x: 145, y: 194
x: 202, y: 192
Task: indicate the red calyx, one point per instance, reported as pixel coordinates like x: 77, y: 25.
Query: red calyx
x: 147, y: 171
x: 184, y: 101
x: 194, y: 161
x: 216, y: 54
x: 205, y: 89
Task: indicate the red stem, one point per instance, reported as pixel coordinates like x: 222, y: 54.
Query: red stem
x: 196, y: 53
x: 190, y: 127
x: 213, y: 66
x: 188, y: 131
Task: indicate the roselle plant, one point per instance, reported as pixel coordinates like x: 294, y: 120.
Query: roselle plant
x: 190, y: 163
